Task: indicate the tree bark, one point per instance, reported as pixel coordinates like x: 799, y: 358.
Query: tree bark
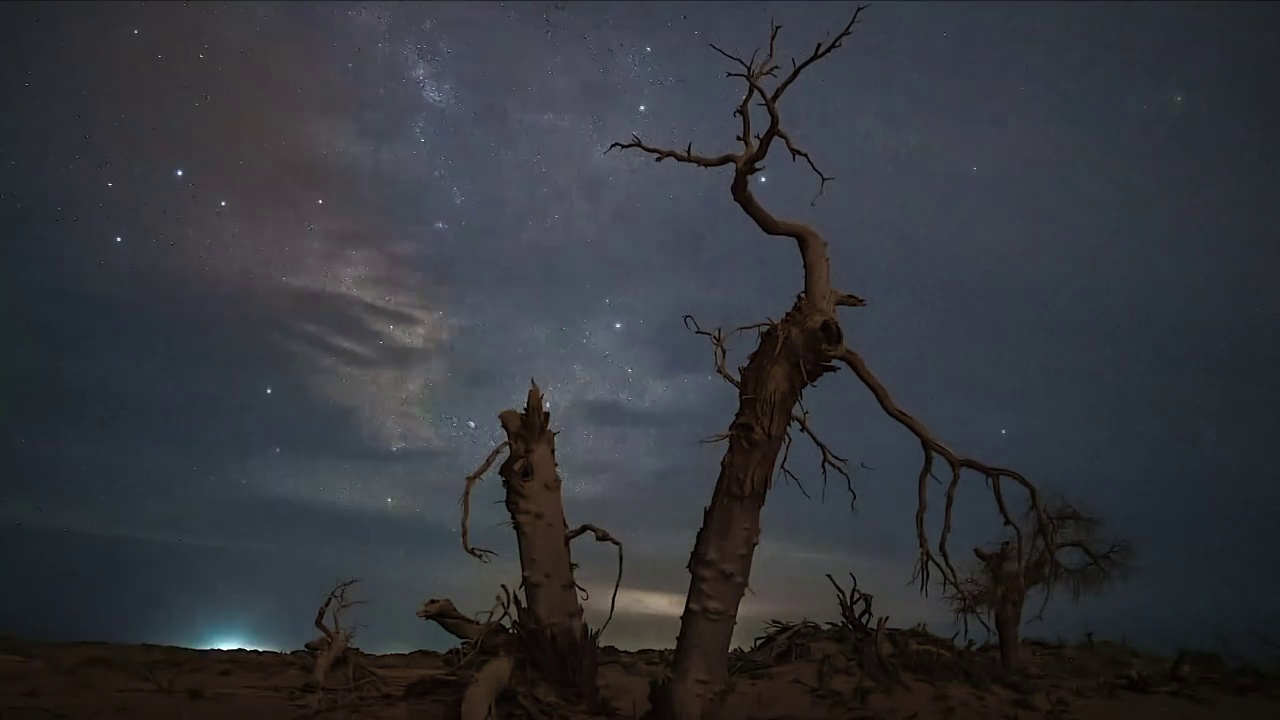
x: 790, y: 356
x: 553, y: 637
x: 1008, y: 624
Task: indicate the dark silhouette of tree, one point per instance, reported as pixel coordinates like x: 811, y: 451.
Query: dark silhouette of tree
x: 1059, y: 549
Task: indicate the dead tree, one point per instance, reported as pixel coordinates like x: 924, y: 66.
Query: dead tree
x: 546, y: 633
x: 1059, y: 549
x: 791, y: 354
x: 333, y: 649
x: 856, y: 617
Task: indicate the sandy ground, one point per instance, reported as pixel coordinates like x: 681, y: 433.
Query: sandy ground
x: 802, y: 672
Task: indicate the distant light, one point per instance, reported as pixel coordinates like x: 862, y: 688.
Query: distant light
x: 230, y: 643
x: 641, y: 108
x: 117, y: 238
x: 179, y: 173
x: 268, y: 391
x: 618, y: 325
x: 1004, y: 432
x: 319, y: 202
x: 223, y: 203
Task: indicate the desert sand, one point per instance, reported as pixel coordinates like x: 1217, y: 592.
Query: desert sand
x: 799, y: 671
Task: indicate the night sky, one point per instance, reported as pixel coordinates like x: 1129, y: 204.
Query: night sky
x: 268, y: 273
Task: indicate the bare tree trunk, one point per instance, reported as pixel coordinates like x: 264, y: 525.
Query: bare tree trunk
x: 787, y: 359
x: 1008, y: 626
x: 553, y: 636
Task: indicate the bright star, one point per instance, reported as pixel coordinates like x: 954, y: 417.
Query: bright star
x: 618, y: 325
x: 117, y: 238
x: 179, y: 173
x: 223, y: 203
x: 268, y: 391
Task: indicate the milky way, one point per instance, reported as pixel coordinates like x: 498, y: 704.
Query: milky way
x: 274, y: 268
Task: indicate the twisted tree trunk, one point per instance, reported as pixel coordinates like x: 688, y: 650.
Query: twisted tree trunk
x: 789, y: 357
x: 553, y: 637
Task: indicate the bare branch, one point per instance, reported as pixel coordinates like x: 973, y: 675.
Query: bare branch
x: 602, y: 536
x: 785, y: 470
x: 685, y: 156
x: 798, y: 153
x: 819, y: 52
x: 478, y: 553
x: 755, y: 149
x: 829, y: 459
x: 931, y: 447
x: 719, y: 340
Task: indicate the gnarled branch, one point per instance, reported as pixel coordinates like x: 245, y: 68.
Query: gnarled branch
x: 932, y: 448
x: 747, y: 162
x: 601, y: 535
x: 479, y: 553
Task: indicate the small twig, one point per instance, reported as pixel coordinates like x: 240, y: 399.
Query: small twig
x: 829, y: 458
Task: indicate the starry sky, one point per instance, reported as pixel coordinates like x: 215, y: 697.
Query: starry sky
x: 269, y: 272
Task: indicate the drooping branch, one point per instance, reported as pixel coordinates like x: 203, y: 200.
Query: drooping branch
x: 479, y: 553
x: 932, y: 448
x: 603, y: 536
x: 828, y: 459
